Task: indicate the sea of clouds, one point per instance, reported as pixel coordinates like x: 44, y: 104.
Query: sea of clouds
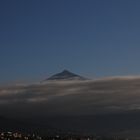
x: 89, y: 97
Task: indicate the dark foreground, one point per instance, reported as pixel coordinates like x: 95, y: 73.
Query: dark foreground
x: 33, y: 136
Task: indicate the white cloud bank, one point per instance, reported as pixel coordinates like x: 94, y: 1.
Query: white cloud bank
x: 87, y: 97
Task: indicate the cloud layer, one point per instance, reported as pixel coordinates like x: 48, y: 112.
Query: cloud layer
x: 72, y: 97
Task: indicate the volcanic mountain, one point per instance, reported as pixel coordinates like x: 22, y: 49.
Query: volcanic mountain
x: 66, y: 75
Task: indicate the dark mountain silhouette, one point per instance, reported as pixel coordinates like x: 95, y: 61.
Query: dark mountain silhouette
x: 66, y: 75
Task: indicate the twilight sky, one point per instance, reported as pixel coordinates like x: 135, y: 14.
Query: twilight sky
x: 94, y: 38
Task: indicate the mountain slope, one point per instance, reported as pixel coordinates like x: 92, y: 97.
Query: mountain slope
x: 66, y: 75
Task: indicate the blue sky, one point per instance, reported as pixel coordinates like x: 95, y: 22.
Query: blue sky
x: 94, y: 38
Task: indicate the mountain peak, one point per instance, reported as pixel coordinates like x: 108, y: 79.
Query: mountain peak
x: 66, y: 72
x: 66, y: 75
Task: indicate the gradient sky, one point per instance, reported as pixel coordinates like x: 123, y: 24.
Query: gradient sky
x: 94, y: 38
